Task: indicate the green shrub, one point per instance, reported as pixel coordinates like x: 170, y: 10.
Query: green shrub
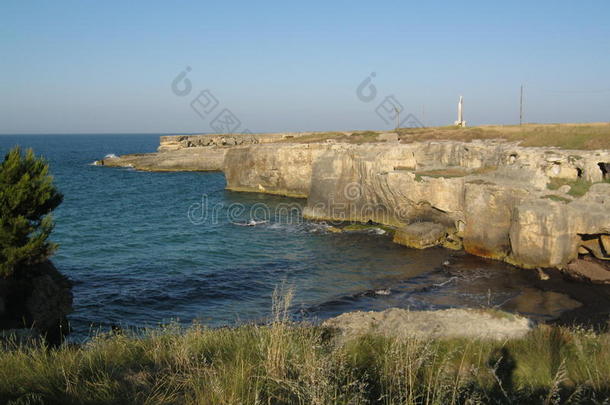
x: 578, y: 187
x: 27, y: 196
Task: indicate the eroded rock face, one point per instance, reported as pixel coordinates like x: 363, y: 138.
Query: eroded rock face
x: 273, y: 169
x: 488, y: 214
x: 542, y: 234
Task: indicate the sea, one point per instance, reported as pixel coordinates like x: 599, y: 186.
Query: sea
x: 146, y: 249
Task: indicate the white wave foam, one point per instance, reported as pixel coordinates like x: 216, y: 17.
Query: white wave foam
x: 251, y: 223
x: 383, y: 292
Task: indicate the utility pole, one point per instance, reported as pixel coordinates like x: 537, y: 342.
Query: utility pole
x: 521, y: 107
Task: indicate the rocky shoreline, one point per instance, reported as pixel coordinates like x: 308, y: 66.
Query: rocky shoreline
x: 533, y: 207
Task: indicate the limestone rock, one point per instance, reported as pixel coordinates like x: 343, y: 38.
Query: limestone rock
x: 605, y: 241
x: 596, y: 248
x: 193, y: 159
x: 488, y: 218
x: 589, y: 270
x: 542, y: 275
x: 599, y: 193
x: 401, y: 323
x: 284, y: 170
x: 541, y: 234
x: 420, y: 235
x: 179, y: 142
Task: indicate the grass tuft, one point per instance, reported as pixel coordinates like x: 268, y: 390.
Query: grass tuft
x: 286, y: 363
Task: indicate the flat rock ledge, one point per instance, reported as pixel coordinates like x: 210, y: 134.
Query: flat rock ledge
x: 448, y: 323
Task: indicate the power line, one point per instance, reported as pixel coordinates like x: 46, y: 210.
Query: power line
x: 574, y: 91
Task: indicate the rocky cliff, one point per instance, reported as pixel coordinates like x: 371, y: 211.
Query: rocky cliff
x: 494, y: 199
x: 529, y: 206
x: 179, y: 142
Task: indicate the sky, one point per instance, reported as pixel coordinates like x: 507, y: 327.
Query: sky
x: 115, y: 66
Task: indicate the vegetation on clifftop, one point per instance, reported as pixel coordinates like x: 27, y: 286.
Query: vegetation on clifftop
x: 566, y: 136
x: 27, y: 197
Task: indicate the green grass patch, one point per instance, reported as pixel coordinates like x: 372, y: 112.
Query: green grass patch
x: 557, y: 198
x: 578, y: 187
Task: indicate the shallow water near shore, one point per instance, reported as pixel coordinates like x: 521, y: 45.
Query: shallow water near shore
x: 148, y: 248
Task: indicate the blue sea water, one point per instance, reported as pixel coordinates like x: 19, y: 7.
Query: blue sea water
x: 148, y: 248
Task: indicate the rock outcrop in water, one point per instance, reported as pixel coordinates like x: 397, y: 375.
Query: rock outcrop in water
x: 532, y: 207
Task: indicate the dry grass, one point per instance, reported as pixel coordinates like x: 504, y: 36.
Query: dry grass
x: 284, y: 363
x: 355, y: 137
x: 566, y: 136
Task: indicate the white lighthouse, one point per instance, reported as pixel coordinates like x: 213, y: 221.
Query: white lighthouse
x: 460, y: 118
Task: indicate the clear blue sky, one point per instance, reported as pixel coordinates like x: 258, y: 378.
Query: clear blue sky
x: 107, y: 66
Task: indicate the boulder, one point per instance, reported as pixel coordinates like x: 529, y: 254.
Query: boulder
x: 589, y: 270
x: 605, y: 241
x: 595, y: 247
x: 421, y: 235
x: 448, y: 323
